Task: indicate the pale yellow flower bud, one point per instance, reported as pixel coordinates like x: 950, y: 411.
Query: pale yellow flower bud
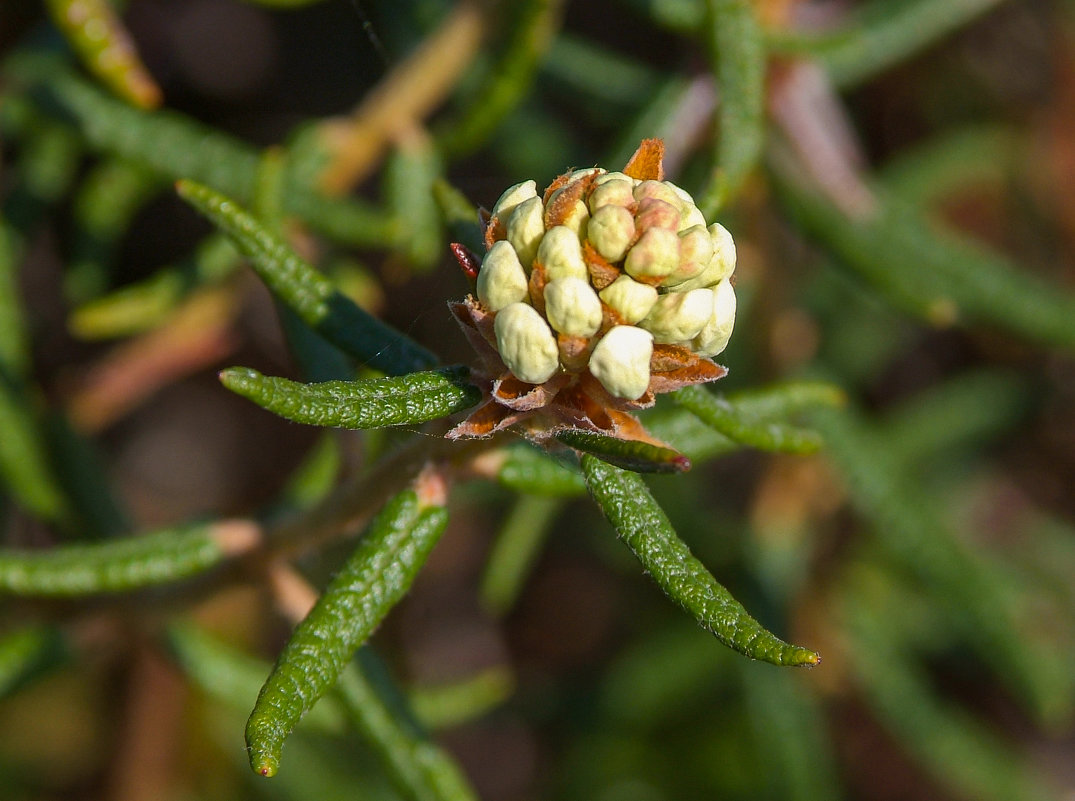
x: 695, y: 253
x: 572, y: 307
x: 501, y: 279
x: 620, y: 361
x: 525, y: 343
x: 714, y: 336
x: 611, y: 230
x: 526, y: 226
x: 721, y: 264
x: 629, y: 299
x: 561, y: 253
x: 513, y: 197
x: 615, y: 193
x: 577, y: 218
x: 679, y: 316
x: 654, y: 255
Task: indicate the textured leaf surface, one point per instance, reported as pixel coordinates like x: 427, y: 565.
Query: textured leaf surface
x: 307, y: 291
x: 641, y: 457
x: 528, y: 469
x: 373, y: 580
x: 369, y: 403
x: 643, y: 526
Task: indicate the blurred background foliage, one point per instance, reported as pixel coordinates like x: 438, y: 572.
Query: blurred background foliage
x: 897, y: 176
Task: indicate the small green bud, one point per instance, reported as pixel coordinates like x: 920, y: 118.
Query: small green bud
x: 654, y: 255
x: 572, y: 307
x: 695, y: 253
x: 526, y: 344
x: 615, y: 193
x: 679, y: 316
x: 630, y: 299
x: 714, y: 336
x: 501, y: 280
x: 513, y: 197
x: 611, y: 230
x: 526, y: 226
x: 620, y: 361
x: 614, y: 176
x: 561, y: 253
x: 721, y: 264
x: 654, y: 213
x: 658, y: 190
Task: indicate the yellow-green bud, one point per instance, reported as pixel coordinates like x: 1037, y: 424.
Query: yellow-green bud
x: 654, y: 255
x: 679, y: 316
x: 714, y: 336
x: 513, y: 197
x: 695, y: 253
x: 721, y: 263
x: 526, y: 344
x: 572, y: 307
x: 620, y: 361
x: 615, y: 193
x: 577, y: 217
x: 614, y: 176
x: 611, y: 230
x: 658, y: 190
x: 501, y: 280
x: 561, y: 253
x: 628, y: 298
x: 526, y: 226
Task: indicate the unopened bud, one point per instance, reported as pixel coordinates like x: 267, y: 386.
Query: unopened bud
x: 620, y: 361
x: 576, y: 217
x: 526, y: 344
x: 610, y: 231
x: 501, y: 280
x: 525, y: 228
x: 513, y: 197
x: 654, y: 255
x: 572, y: 307
x: 714, y: 336
x: 561, y: 253
x: 615, y: 193
x: 679, y: 316
x: 721, y: 263
x: 695, y: 253
x: 629, y: 299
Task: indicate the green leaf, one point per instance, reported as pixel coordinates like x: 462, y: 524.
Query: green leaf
x: 25, y: 467
x: 161, y: 557
x: 307, y: 291
x: 409, y: 174
x: 516, y: 549
x: 754, y: 427
x: 24, y: 651
x: 444, y: 706
x: 14, y: 345
x: 738, y: 56
x: 935, y: 274
x: 367, y: 403
x: 373, y: 580
x: 643, y: 526
x: 420, y: 768
x: 527, y: 469
x: 641, y: 457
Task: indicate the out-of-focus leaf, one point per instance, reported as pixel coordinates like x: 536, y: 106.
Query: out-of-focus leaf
x: 25, y: 467
x: 96, y: 33
x: 935, y: 274
x: 409, y: 175
x: 373, y: 580
x: 307, y: 291
x: 515, y: 550
x: 24, y: 651
x: 368, y: 403
x: 738, y: 56
x: 527, y: 469
x: 161, y: 557
x: 643, y: 526
x: 444, y: 706
x: 14, y: 348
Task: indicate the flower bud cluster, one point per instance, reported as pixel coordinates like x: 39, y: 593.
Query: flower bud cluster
x: 597, y: 271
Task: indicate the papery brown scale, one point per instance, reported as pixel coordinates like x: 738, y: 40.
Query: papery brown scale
x: 602, y: 272
x: 574, y: 351
x: 539, y: 278
x: 647, y: 163
x: 560, y: 208
x: 524, y: 397
x: 486, y: 420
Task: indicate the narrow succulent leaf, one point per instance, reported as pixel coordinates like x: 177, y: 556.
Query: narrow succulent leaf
x: 307, y: 291
x: 507, y: 81
x: 738, y: 55
x: 527, y: 469
x: 744, y: 427
x: 445, y: 706
x: 96, y: 33
x: 409, y: 175
x: 373, y: 580
x: 460, y: 216
x: 684, y: 431
x: 171, y: 144
x: 600, y: 75
x: 233, y: 677
x: 23, y: 652
x: 367, y: 403
x: 419, y: 768
x: 882, y: 34
x: 516, y: 549
x: 161, y: 557
x: 640, y: 457
x: 643, y: 526
x: 936, y: 274
x: 25, y: 467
